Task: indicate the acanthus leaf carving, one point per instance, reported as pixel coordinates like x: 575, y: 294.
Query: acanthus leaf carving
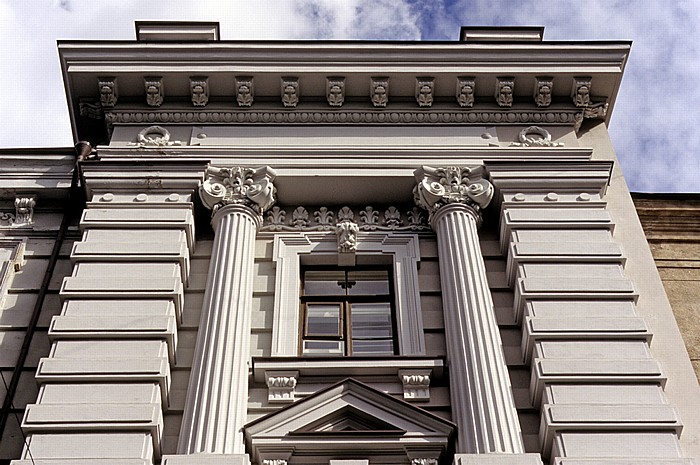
x: 596, y: 110
x: 154, y: 90
x: 346, y: 232
x: 370, y: 218
x: 379, y: 91
x: 252, y: 187
x: 290, y: 91
x: 244, y: 91
x: 109, y: 92
x: 437, y: 187
x: 346, y: 214
x: 466, y: 89
x: 505, y: 87
x: 581, y: 91
x: 335, y: 91
x: 392, y: 218
x: 199, y: 90
x: 424, y: 91
x: 324, y: 218
x: 543, y: 91
x: 276, y: 218
x: 300, y: 218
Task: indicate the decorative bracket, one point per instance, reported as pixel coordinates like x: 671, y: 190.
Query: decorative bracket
x: 379, y: 91
x: 466, y: 88
x: 335, y: 91
x: 581, y: 91
x: 244, y: 91
x: 505, y: 86
x: 281, y: 386
x: 424, y: 91
x: 109, y: 93
x: 543, y: 91
x: 290, y: 91
x: 199, y: 90
x: 154, y: 90
x: 416, y: 384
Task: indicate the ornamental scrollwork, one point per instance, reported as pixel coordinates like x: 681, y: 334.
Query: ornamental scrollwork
x: 199, y: 90
x: 244, y: 91
x: 23, y: 215
x: 109, y: 92
x: 324, y: 219
x: 465, y: 91
x: 424, y: 91
x: 335, y: 91
x: 379, y: 91
x: 238, y: 185
x: 154, y: 91
x: 542, y: 138
x: 437, y: 187
x: 543, y: 91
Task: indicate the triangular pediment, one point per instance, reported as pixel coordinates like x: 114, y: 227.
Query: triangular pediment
x: 348, y: 419
x: 349, y: 407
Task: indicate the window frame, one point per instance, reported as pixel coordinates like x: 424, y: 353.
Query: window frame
x: 398, y: 250
x: 345, y: 303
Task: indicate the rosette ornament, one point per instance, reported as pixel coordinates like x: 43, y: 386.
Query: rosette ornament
x: 238, y: 185
x: 437, y: 187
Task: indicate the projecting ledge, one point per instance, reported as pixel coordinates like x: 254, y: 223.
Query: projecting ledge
x: 206, y: 459
x: 497, y: 459
x: 345, y: 367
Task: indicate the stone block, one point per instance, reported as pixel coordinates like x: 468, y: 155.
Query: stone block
x: 497, y: 459
x: 134, y: 252
x: 206, y: 459
x: 87, y: 417
x: 98, y: 216
x: 132, y: 327
x: 101, y: 370
x: 79, y: 308
x: 99, y: 393
x: 567, y: 287
x: 649, y: 445
x: 91, y: 446
x: 552, y: 218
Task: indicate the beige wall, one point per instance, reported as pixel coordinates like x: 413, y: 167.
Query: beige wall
x: 672, y: 227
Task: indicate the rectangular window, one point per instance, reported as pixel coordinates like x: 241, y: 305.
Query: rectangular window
x: 348, y: 311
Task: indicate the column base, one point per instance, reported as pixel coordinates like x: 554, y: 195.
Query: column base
x: 497, y: 459
x: 206, y: 459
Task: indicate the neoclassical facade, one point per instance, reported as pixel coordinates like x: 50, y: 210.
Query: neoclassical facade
x: 343, y: 253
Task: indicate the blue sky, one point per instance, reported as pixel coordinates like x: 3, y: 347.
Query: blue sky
x: 653, y: 125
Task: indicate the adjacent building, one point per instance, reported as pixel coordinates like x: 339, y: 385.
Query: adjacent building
x: 345, y: 253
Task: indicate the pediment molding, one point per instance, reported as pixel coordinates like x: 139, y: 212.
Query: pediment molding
x: 348, y: 419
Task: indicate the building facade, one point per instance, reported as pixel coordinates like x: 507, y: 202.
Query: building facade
x: 287, y: 253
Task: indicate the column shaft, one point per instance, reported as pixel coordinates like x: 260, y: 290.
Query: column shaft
x: 217, y: 397
x: 480, y: 391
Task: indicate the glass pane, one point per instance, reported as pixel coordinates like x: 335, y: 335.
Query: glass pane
x: 324, y: 347
x: 370, y: 282
x: 373, y: 347
x: 325, y: 282
x: 323, y: 319
x: 371, y: 320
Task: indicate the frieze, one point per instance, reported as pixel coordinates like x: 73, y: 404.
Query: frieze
x: 563, y: 116
x: 366, y: 219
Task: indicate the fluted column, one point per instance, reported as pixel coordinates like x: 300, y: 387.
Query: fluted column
x: 480, y: 391
x: 217, y: 398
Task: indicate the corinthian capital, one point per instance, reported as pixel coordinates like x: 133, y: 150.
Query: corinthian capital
x: 251, y: 187
x: 453, y: 184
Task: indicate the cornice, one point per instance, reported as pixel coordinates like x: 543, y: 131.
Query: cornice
x: 451, y: 73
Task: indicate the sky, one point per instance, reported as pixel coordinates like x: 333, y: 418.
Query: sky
x: 653, y: 123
